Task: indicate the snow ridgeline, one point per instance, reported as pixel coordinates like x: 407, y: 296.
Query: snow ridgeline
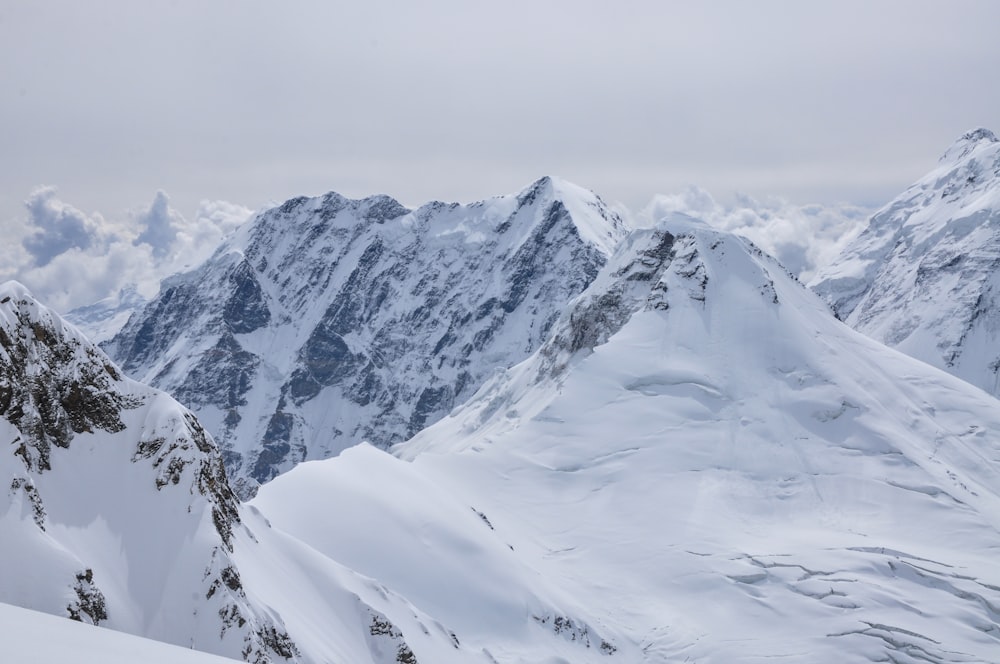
x: 115, y: 510
x: 924, y: 277
x: 328, y: 321
x: 698, y: 448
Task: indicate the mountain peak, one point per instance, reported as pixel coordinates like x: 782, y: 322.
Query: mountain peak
x: 14, y: 289
x: 923, y: 276
x: 395, y: 315
x: 698, y: 394
x: 595, y: 221
x: 968, y: 142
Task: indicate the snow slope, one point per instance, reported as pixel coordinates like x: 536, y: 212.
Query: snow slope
x: 699, y: 464
x: 923, y: 277
x: 328, y: 321
x: 102, y: 320
x: 38, y: 638
x: 115, y: 510
x: 115, y: 507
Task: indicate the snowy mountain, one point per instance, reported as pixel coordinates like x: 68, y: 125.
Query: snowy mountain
x: 117, y: 513
x: 923, y: 277
x: 116, y: 510
x: 328, y: 321
x: 102, y: 320
x: 698, y: 462
x: 701, y: 464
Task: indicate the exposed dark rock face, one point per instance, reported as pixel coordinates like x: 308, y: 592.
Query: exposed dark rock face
x: 594, y: 317
x: 53, y: 385
x: 329, y: 321
x: 90, y: 605
x: 97, y: 441
x: 382, y: 629
x: 245, y: 310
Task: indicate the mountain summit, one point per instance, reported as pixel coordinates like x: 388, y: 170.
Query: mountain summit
x: 327, y: 321
x: 718, y: 470
x: 924, y: 277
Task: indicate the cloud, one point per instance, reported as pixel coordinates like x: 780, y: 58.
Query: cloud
x: 68, y: 258
x: 803, y: 238
x: 159, y: 225
x: 58, y: 227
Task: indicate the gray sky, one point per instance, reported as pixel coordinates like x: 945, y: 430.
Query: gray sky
x: 254, y: 102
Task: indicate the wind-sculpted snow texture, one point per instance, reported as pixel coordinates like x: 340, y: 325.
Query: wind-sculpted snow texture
x: 328, y: 321
x: 712, y: 468
x: 924, y: 277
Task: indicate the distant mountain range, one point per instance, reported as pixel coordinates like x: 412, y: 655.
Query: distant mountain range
x: 329, y: 321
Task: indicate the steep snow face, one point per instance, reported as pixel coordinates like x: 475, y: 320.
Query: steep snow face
x: 115, y: 511
x: 710, y: 467
x: 328, y: 321
x: 924, y: 277
x: 115, y: 506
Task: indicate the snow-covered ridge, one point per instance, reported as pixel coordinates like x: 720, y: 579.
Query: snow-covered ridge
x: 725, y: 453
x: 123, y: 518
x: 115, y: 506
x: 327, y: 321
x: 695, y: 447
x: 923, y: 276
x: 30, y: 636
x: 969, y: 141
x: 102, y: 320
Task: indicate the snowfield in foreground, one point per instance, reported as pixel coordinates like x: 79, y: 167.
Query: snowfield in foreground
x: 38, y: 638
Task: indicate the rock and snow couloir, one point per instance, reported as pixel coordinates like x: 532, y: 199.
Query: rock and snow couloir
x: 328, y: 321
x: 924, y: 277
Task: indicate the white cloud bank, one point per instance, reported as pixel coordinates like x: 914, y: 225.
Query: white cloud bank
x: 803, y: 238
x: 69, y: 258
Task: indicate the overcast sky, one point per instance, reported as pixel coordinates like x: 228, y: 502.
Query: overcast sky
x: 250, y: 102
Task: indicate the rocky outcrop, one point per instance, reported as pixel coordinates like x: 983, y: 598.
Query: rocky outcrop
x: 95, y: 457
